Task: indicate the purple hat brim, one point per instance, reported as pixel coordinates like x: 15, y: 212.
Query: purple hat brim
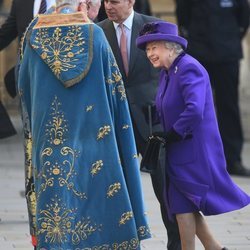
x: 143, y: 40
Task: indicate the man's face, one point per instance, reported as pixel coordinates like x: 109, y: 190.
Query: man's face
x: 118, y: 10
x: 93, y: 9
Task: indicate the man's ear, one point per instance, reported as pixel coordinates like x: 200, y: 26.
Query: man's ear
x: 131, y: 3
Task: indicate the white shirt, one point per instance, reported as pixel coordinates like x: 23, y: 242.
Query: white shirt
x: 37, y: 4
x: 128, y: 29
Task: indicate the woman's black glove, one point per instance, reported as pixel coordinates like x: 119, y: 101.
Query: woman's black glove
x: 171, y: 136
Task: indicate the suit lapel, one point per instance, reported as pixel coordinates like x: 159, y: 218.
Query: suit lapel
x: 112, y: 39
x: 136, y: 27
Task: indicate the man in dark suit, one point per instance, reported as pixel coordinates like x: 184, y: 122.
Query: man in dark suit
x: 215, y: 39
x: 21, y: 14
x: 141, y: 82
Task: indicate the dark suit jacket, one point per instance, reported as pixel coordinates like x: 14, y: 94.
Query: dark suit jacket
x: 21, y: 14
x: 215, y: 35
x: 142, y: 81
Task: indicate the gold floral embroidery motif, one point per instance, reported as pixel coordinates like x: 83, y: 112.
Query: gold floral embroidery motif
x: 89, y: 108
x: 132, y: 244
x: 62, y: 170
x: 121, y: 90
x: 58, y: 50
x: 115, y: 80
x: 126, y: 245
x: 28, y: 155
x: 57, y: 127
x: 32, y: 205
x: 103, y: 131
x: 96, y: 167
x: 56, y: 223
x: 135, y: 156
x: 143, y: 231
x: 125, y: 126
x: 113, y: 189
x: 125, y: 217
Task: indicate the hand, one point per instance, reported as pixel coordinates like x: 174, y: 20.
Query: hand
x: 169, y: 137
x: 160, y: 134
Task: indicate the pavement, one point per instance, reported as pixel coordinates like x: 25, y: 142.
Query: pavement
x: 231, y: 229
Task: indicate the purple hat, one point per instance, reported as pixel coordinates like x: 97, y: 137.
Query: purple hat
x: 159, y: 31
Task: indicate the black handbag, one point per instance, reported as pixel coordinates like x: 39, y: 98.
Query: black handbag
x: 150, y: 159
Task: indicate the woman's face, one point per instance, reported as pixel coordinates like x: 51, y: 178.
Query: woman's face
x: 158, y: 54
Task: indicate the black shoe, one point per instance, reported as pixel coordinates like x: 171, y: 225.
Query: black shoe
x: 238, y: 169
x: 224, y: 248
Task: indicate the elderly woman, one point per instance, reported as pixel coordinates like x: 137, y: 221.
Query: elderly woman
x: 198, y: 182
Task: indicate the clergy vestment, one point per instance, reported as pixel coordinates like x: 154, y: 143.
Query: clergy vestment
x: 82, y: 175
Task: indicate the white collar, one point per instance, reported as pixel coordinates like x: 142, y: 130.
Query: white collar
x: 128, y: 22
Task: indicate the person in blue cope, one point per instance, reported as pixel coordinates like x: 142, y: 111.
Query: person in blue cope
x: 84, y: 188
x: 197, y: 179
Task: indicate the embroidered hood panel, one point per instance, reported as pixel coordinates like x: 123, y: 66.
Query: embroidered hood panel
x: 67, y: 49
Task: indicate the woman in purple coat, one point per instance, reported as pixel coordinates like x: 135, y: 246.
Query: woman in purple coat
x: 198, y: 182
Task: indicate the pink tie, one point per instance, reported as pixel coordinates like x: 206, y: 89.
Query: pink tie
x: 123, y: 48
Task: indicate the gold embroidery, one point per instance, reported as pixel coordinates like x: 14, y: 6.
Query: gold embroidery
x: 103, y: 131
x: 125, y: 217
x: 67, y: 164
x: 28, y: 155
x: 96, y: 167
x: 32, y: 205
x: 57, y: 222
x: 117, y: 76
x: 57, y: 48
x: 115, y: 80
x: 135, y: 156
x: 113, y: 189
x: 83, y: 229
x: 121, y: 90
x: 132, y: 244
x: 55, y: 19
x: 57, y: 127
x: 89, y: 108
x: 126, y: 245
x: 125, y: 126
x: 62, y: 170
x: 143, y: 231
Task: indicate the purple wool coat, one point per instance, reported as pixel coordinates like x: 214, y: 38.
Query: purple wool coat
x: 196, y: 167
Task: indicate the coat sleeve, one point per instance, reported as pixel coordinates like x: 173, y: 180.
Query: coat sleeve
x: 8, y: 31
x: 193, y: 84
x: 125, y: 138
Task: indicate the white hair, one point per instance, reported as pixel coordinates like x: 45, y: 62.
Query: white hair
x: 72, y: 3
x: 94, y: 2
x: 175, y: 46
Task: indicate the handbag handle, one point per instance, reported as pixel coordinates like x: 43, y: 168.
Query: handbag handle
x: 150, y: 119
